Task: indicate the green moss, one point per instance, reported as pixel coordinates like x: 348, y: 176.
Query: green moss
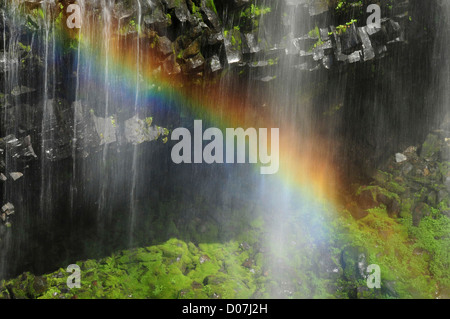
x: 26, y: 48
x: 314, y: 33
x: 395, y: 187
x: 210, y: 4
x: 375, y: 190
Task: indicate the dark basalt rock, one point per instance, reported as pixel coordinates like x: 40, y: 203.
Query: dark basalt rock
x: 171, y: 66
x: 210, y: 16
x: 350, y: 40
x: 18, y: 149
x: 164, y: 46
x: 182, y: 12
x: 194, y: 64
x: 214, y: 64
x: 157, y: 20
x: 192, y: 50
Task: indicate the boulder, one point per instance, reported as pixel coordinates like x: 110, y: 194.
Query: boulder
x: 164, y: 46
x: 399, y: 158
x: 157, y: 19
x: 431, y: 147
x: 8, y: 209
x: 194, y: 64
x: 350, y: 40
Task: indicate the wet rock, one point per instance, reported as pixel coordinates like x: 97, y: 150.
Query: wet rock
x: 368, y: 50
x: 215, y: 38
x: 123, y: 11
x: 8, y: 209
x: 430, y: 147
x: 15, y: 175
x: 233, y: 41
x: 267, y: 78
x: 7, y: 64
x: 354, y: 57
x: 18, y: 148
x: 392, y: 29
x: 138, y: 131
x: 158, y: 19
x: 317, y: 7
x: 407, y: 168
x: 210, y: 15
x: 192, y: 50
x: 410, y: 151
x: 214, y: 64
x: 106, y: 129
x: 19, y: 90
x: 203, y: 259
x: 164, y: 46
x: 251, y: 43
x: 445, y: 153
x: 171, y: 4
x: 39, y: 285
x: 171, y: 66
x: 399, y: 158
x: 194, y: 64
x: 182, y: 12
x: 350, y: 40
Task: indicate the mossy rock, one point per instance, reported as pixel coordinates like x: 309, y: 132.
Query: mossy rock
x: 431, y: 146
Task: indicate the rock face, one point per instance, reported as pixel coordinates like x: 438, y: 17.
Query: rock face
x: 14, y: 154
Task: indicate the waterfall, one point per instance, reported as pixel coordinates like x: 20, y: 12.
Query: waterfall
x: 443, y: 66
x: 134, y: 169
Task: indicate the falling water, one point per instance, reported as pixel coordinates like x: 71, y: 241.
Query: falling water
x: 48, y: 111
x: 134, y: 169
x: 106, y: 14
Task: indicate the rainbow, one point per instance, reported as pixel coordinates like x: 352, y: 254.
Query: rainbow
x: 304, y: 165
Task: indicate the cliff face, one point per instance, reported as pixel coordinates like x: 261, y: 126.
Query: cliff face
x: 201, y: 42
